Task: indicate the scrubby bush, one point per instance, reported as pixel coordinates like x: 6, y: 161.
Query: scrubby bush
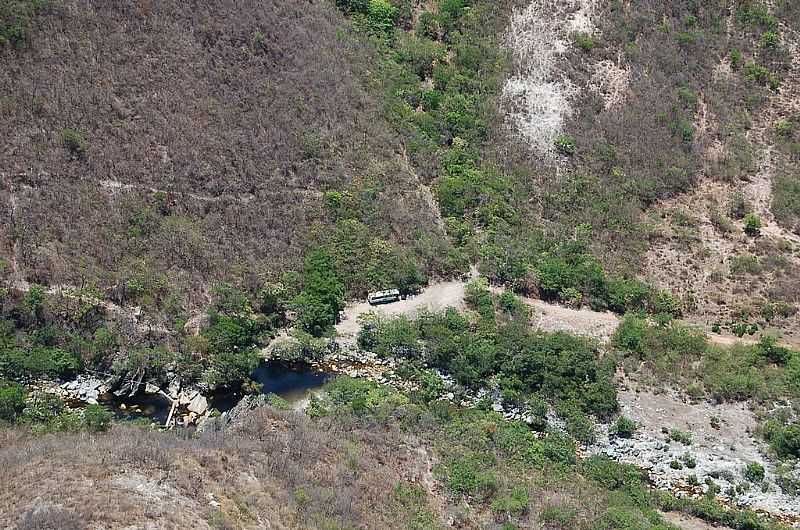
x: 682, y: 437
x: 786, y: 199
x: 96, y: 418
x: 584, y: 41
x: 353, y: 6
x: 565, y: 144
x: 624, y: 427
x: 390, y: 337
x: 783, y: 437
x: 232, y: 367
x: 663, y: 302
x: 627, y: 295
x: 752, y: 225
x: 513, y: 504
x: 470, y: 475
x: 377, y: 19
x: 784, y: 128
x: 610, y: 474
x: 559, y: 449
x: 37, y: 361
x: 754, y: 472
x: 12, y: 400
x: 75, y: 142
x: 577, y: 424
x: 16, y: 19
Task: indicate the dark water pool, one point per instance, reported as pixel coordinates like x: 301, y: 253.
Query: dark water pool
x: 153, y: 407
x: 292, y: 382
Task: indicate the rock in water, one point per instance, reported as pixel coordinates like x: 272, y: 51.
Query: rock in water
x: 198, y: 404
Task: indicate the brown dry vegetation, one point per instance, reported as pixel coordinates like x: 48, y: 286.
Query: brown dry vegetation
x: 211, y: 133
x: 278, y: 468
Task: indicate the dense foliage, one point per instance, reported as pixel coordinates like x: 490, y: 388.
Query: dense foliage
x: 504, y: 467
x: 669, y: 350
x: 498, y: 346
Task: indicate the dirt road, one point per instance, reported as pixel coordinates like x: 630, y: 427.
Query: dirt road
x: 439, y: 296
x: 435, y: 298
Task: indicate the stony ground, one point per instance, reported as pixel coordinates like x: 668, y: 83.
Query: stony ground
x: 722, y: 445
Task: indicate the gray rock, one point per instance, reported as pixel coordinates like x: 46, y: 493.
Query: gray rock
x: 174, y: 387
x: 198, y: 404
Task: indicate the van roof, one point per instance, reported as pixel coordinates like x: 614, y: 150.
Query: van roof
x: 388, y: 292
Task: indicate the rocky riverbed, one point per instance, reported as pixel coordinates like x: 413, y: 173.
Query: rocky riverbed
x: 690, y: 447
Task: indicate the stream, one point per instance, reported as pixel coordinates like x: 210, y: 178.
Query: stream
x: 292, y: 382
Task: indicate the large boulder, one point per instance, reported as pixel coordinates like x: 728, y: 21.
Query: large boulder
x: 198, y: 404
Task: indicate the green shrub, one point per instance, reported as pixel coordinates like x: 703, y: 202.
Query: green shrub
x: 784, y: 128
x: 559, y: 449
x: 610, y: 474
x: 624, y: 427
x: 12, y: 400
x: 752, y: 225
x: 229, y: 333
x: 584, y: 41
x: 96, y: 418
x: 513, y: 504
x: 511, y: 304
x: 768, y: 348
x: 736, y: 59
x: 42, y: 408
x: 745, y: 264
x: 754, y: 13
x: 428, y: 25
x: 16, y: 19
x: 627, y: 295
x: 230, y: 368
x: 578, y: 425
x: 770, y: 39
x: 783, y: 438
x: 786, y: 198
x: 420, y: 54
x: 754, y: 472
x: 560, y: 516
x: 378, y: 19
x: 75, y: 142
x: 663, y: 302
x: 353, y: 6
x: 676, y: 435
x: 621, y: 518
x: 392, y: 337
x: 38, y: 361
x: 565, y: 144
x: 469, y: 475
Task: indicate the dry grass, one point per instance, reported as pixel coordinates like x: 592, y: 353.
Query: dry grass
x: 275, y: 466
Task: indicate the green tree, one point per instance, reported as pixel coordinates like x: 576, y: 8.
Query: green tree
x: 322, y: 297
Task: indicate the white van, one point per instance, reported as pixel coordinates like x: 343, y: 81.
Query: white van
x: 384, y: 297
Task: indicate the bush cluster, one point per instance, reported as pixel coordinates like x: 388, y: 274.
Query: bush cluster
x: 562, y: 367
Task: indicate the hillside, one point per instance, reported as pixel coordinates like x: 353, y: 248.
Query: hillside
x: 170, y: 143
x: 585, y: 216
